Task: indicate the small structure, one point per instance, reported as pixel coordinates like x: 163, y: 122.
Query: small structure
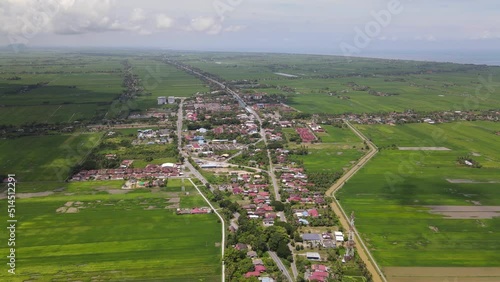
x: 313, y: 256
x: 168, y: 165
x: 339, y: 237
x: 171, y: 99
x: 162, y: 100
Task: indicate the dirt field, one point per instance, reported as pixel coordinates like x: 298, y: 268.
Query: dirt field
x: 423, y: 149
x: 466, y: 212
x: 442, y: 274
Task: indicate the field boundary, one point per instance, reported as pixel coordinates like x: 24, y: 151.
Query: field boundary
x: 223, y: 245
x: 363, y: 252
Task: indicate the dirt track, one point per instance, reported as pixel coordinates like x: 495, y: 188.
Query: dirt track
x: 360, y: 247
x: 423, y: 149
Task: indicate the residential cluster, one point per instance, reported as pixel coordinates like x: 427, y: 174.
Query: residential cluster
x: 151, y: 171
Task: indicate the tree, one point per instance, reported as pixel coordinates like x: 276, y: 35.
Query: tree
x: 278, y: 206
x: 283, y: 250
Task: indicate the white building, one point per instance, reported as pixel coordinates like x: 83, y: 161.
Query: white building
x: 171, y: 99
x: 162, y: 100
x: 313, y: 256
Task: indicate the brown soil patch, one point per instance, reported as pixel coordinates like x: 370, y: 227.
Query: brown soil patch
x: 442, y: 274
x: 61, y: 209
x: 174, y: 206
x: 423, y: 149
x: 174, y: 200
x: 72, y: 210
x: 466, y: 212
x: 117, y: 191
x: 68, y: 204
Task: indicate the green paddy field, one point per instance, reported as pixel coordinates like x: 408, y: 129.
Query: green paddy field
x: 390, y: 194
x: 115, y: 237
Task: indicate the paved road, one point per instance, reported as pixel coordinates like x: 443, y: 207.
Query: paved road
x: 293, y: 265
x: 192, y: 169
x: 361, y: 248
x: 280, y: 265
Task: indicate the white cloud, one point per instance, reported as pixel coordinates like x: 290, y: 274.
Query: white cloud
x: 164, y: 22
x: 137, y: 15
x: 234, y: 28
x: 208, y: 25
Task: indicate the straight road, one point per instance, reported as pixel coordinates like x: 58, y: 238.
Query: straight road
x: 192, y: 169
x: 280, y: 265
x: 361, y: 248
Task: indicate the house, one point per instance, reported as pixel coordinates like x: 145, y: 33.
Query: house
x: 202, y: 130
x: 257, y: 262
x: 266, y: 279
x: 311, y: 237
x: 251, y: 254
x: 162, y: 100
x: 241, y: 247
x: 252, y: 274
x: 303, y: 221
x: 260, y: 268
x: 319, y: 267
x: 268, y: 222
x: 313, y: 213
x: 126, y: 163
x: 318, y: 276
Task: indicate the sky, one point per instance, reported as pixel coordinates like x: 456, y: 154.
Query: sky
x: 346, y: 27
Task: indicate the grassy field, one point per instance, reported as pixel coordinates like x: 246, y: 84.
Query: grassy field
x: 331, y: 160
x: 389, y: 194
x: 44, y: 158
x: 334, y: 134
x: 338, y: 150
x: 115, y: 237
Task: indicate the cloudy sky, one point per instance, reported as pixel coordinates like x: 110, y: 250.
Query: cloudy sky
x: 307, y: 26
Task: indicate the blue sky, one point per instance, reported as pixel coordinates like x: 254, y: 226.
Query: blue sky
x: 303, y: 26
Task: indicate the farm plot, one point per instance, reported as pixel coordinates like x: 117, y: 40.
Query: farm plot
x: 392, y: 194
x: 115, y: 237
x: 62, y: 88
x: 44, y: 158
